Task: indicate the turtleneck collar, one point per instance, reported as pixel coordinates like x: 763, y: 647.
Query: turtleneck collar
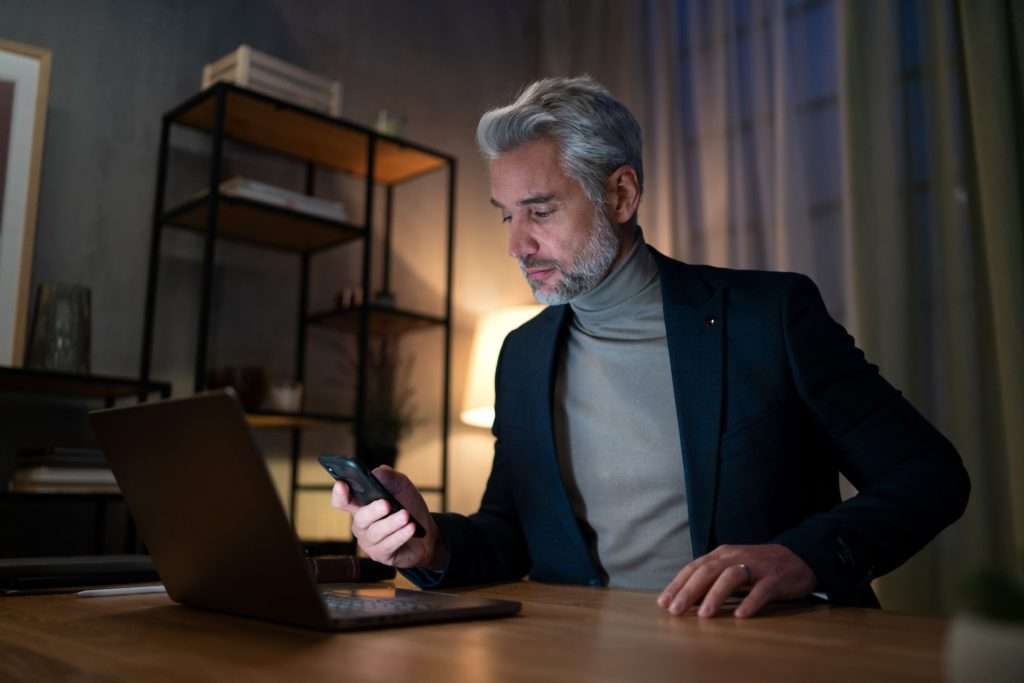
x: 627, y: 303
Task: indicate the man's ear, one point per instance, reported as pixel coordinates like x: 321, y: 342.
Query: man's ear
x: 622, y: 194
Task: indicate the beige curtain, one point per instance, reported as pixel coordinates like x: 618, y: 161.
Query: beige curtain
x: 832, y: 138
x: 935, y: 285
x: 993, y: 55
x: 741, y: 125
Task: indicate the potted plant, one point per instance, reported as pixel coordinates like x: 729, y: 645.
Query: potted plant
x: 390, y: 414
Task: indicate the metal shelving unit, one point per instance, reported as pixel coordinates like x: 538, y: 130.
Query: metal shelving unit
x: 228, y: 112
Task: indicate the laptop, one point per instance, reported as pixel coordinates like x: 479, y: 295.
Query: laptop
x: 204, y: 504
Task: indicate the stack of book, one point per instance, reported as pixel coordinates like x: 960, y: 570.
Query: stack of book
x: 62, y: 470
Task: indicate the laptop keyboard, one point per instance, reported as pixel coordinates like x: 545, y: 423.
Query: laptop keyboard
x: 351, y: 605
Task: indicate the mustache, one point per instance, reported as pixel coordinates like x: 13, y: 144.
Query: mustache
x: 530, y: 262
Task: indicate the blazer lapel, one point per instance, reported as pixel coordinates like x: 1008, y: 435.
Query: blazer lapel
x: 549, y: 344
x: 695, y: 325
x: 549, y: 341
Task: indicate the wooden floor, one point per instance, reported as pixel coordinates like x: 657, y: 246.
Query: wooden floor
x: 563, y: 634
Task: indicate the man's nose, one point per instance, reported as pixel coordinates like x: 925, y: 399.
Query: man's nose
x: 520, y: 241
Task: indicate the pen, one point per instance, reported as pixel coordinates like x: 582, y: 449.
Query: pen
x: 124, y: 590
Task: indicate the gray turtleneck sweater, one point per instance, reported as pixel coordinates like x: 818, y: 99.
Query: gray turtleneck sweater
x: 616, y: 429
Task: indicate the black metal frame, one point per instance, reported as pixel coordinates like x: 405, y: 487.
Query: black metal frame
x: 163, y: 219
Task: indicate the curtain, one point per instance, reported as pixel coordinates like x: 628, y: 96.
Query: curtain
x: 932, y: 211
x: 832, y: 138
x: 739, y: 109
x: 992, y: 45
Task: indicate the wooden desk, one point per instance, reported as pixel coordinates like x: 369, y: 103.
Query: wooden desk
x: 565, y: 634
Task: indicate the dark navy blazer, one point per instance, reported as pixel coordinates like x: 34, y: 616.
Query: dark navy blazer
x: 773, y: 402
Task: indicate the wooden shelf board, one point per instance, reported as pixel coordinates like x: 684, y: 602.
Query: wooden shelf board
x: 258, y: 120
x: 383, y: 321
x: 250, y: 221
x: 267, y: 420
x: 32, y: 381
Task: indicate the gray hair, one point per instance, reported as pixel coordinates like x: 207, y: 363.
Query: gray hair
x: 595, y: 133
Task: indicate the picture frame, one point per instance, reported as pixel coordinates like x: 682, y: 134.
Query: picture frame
x: 24, y: 92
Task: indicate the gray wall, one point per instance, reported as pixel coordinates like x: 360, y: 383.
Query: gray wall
x: 119, y: 64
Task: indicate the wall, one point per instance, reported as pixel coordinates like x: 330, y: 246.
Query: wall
x: 118, y: 65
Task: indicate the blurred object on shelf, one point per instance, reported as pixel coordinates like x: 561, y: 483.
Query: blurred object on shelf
x: 257, y: 71
x: 254, y: 190
x: 62, y: 329
x: 349, y: 297
x: 384, y: 299
x: 286, y: 398
x: 249, y: 382
x: 62, y: 470
x: 389, y: 123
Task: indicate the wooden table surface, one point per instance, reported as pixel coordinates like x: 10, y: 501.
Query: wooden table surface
x: 563, y: 634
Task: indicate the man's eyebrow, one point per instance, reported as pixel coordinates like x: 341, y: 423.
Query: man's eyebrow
x: 536, y: 199
x: 532, y: 199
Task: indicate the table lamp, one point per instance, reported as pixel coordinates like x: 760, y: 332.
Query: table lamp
x: 491, y: 330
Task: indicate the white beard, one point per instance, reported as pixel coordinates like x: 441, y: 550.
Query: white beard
x: 588, y: 269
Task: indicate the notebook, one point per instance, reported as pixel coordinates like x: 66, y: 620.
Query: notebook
x: 206, y: 508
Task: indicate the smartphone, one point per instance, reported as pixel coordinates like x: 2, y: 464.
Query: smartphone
x: 363, y: 487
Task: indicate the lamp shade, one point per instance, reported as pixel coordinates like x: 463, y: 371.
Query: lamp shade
x: 491, y: 330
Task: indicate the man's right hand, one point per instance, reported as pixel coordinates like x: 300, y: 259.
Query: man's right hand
x: 388, y: 538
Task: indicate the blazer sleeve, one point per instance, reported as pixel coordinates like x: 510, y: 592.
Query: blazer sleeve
x: 488, y: 546
x: 910, y: 480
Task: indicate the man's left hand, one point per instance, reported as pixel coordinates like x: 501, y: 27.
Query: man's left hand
x: 771, y: 572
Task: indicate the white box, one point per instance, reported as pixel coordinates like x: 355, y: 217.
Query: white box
x: 257, y: 71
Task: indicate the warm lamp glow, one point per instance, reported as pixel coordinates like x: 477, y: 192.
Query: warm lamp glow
x: 491, y: 330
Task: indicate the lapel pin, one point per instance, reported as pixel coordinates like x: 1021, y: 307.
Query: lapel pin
x: 710, y: 322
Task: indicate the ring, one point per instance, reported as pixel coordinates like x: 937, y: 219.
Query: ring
x: 750, y: 579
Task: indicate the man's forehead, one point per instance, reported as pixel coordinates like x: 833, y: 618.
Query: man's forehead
x: 529, y: 174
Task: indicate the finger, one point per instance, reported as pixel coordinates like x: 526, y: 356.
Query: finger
x: 695, y: 587
x: 665, y: 599
x: 380, y: 530
x: 760, y: 595
x: 389, y: 547
x: 340, y: 498
x: 402, y: 488
x: 368, y: 514
x: 725, y: 585
x: 394, y: 481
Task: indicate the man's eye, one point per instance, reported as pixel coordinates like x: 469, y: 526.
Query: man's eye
x: 506, y: 219
x: 542, y: 214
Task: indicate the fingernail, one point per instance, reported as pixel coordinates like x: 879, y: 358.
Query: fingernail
x: 705, y: 611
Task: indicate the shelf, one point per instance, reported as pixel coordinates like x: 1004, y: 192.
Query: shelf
x: 31, y: 381
x: 246, y: 220
x: 384, y: 320
x: 258, y: 120
x: 276, y: 420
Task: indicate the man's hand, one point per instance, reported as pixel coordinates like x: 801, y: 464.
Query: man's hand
x: 388, y: 538
x: 771, y: 572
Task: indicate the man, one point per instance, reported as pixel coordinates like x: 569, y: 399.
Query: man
x: 661, y: 425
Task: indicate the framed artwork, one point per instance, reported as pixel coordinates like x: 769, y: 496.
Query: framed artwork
x: 24, y: 87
